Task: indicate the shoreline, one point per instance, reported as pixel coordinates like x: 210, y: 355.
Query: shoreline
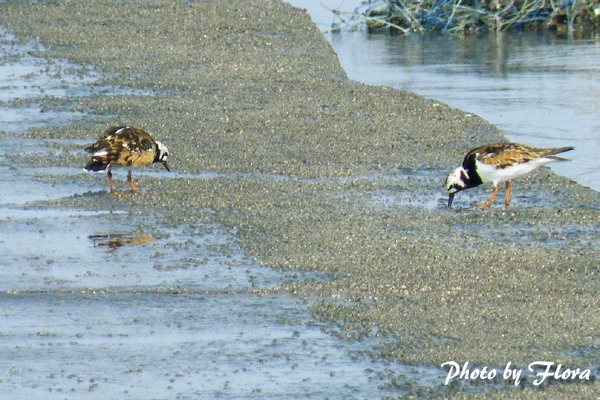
x: 238, y: 91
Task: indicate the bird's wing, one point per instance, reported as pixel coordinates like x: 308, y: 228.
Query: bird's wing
x: 507, y: 154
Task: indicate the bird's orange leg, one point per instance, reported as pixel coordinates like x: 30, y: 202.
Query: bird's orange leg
x: 488, y: 203
x: 111, y: 185
x: 130, y: 181
x: 507, y: 198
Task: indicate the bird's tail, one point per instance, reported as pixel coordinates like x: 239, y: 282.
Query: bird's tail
x: 551, y: 153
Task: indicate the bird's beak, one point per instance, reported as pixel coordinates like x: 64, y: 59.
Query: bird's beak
x: 166, y: 166
x: 450, y: 198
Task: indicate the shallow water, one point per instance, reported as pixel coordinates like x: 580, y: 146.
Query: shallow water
x: 537, y: 89
x: 161, y: 346
x: 51, y: 258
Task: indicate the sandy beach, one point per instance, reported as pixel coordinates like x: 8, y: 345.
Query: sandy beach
x: 317, y: 173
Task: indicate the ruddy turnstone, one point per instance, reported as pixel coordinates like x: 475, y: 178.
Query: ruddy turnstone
x: 128, y: 147
x: 498, y: 163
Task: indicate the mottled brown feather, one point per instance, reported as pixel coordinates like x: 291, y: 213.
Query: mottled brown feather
x: 507, y: 154
x: 126, y: 147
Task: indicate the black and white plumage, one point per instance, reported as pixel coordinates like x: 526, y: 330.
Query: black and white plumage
x: 498, y: 163
x: 127, y: 147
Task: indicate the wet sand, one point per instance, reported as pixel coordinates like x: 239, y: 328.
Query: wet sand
x: 340, y: 178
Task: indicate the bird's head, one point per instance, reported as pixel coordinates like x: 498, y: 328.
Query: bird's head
x: 162, y: 154
x: 455, y: 182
